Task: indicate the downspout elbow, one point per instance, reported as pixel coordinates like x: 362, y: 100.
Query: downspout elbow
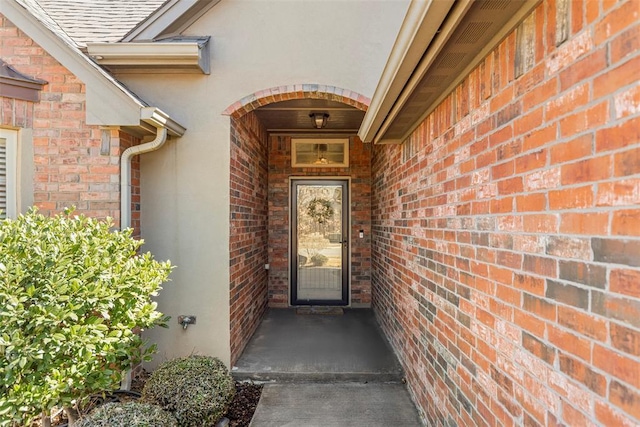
x: 125, y: 173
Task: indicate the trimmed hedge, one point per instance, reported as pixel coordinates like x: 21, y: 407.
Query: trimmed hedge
x: 197, y: 390
x: 129, y: 414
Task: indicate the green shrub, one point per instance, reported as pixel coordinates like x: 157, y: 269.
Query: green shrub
x: 72, y: 292
x: 319, y: 260
x: 129, y: 414
x: 197, y: 390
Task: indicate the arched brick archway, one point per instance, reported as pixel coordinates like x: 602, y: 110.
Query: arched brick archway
x: 260, y: 168
x: 299, y: 91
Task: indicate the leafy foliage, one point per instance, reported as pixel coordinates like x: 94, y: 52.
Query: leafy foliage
x: 319, y: 260
x: 312, y: 244
x: 197, y: 390
x: 130, y: 414
x: 72, y: 295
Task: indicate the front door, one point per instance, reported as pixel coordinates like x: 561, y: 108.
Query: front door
x: 319, y: 242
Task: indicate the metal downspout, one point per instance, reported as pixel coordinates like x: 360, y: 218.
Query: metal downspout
x: 125, y: 196
x: 125, y: 173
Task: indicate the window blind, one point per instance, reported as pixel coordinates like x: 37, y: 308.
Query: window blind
x: 3, y: 178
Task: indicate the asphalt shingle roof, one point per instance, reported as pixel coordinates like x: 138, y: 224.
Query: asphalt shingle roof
x: 35, y: 9
x: 93, y: 21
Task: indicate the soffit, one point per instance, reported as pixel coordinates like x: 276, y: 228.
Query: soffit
x: 292, y: 117
x: 469, y: 32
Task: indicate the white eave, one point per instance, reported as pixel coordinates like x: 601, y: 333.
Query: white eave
x: 182, y: 56
x: 439, y: 43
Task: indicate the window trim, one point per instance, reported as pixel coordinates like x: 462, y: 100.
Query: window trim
x: 11, y: 138
x: 338, y: 142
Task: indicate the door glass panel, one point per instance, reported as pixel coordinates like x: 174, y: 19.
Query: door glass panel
x: 320, y: 250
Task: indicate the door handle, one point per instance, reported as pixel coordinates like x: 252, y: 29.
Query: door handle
x: 345, y: 242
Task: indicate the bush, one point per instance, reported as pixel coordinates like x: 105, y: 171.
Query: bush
x: 319, y: 260
x: 197, y: 390
x: 72, y: 292
x: 129, y: 414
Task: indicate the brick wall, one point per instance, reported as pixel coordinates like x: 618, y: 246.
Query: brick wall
x: 279, y: 198
x: 248, y: 233
x: 506, y: 262
x: 69, y: 169
x: 120, y: 142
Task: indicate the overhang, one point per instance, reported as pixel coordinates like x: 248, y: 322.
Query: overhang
x: 14, y: 84
x: 174, y: 55
x: 440, y: 42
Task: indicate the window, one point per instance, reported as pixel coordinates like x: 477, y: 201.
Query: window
x: 320, y: 153
x: 8, y: 173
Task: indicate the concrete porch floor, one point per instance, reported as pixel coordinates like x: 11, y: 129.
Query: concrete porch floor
x: 325, y: 370
x: 314, y: 347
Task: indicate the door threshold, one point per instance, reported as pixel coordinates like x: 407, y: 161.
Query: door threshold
x: 322, y: 310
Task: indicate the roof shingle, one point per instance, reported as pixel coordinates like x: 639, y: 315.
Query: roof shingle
x: 94, y: 21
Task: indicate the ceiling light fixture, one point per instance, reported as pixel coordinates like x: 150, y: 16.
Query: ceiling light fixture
x: 319, y: 119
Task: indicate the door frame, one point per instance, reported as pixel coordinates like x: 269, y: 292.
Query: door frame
x: 346, y: 213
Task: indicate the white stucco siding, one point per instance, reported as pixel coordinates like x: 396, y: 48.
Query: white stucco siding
x: 255, y: 45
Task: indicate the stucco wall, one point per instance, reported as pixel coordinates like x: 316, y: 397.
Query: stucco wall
x: 185, y: 186
x: 506, y: 258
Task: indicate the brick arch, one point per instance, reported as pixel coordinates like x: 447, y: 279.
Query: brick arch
x: 299, y: 91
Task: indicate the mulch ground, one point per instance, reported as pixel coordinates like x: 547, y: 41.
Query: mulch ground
x: 239, y: 414
x: 244, y: 404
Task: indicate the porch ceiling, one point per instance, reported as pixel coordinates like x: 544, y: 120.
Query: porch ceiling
x: 292, y: 117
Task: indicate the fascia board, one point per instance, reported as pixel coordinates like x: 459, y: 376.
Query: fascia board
x: 108, y: 103
x: 420, y: 25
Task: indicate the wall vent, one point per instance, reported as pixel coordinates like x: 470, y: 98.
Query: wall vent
x: 435, y: 80
x: 494, y: 4
x: 473, y: 32
x: 451, y: 59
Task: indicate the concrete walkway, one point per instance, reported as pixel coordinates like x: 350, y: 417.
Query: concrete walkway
x: 335, y: 404
x: 325, y: 370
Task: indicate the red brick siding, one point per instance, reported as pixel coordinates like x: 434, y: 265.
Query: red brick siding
x: 506, y: 261
x: 280, y: 171
x: 126, y: 141
x: 296, y: 91
x: 69, y: 169
x: 248, y: 233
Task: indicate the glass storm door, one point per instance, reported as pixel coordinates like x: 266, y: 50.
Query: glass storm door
x: 319, y: 242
